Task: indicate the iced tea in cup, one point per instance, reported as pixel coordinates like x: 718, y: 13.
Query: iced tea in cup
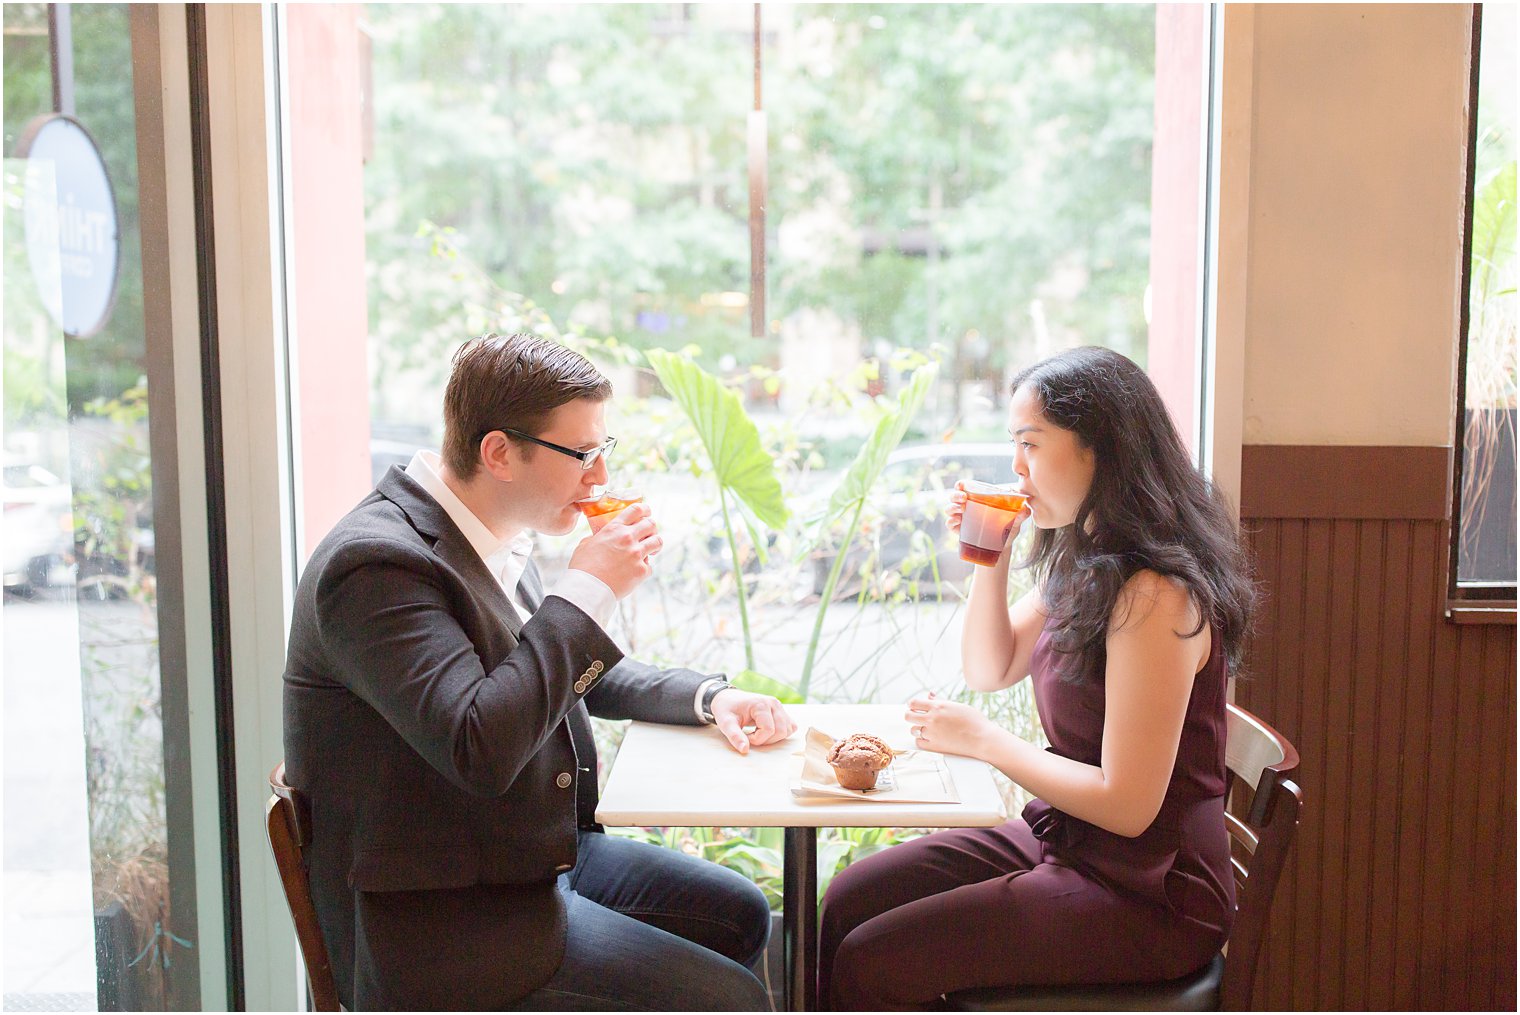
x: 990, y: 511
x: 601, y: 510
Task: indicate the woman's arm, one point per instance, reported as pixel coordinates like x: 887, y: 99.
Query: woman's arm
x: 997, y: 641
x: 1148, y: 681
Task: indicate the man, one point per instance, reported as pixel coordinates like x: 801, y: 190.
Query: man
x: 434, y: 717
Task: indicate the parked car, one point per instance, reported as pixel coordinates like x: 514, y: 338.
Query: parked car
x: 39, y: 529
x: 903, y: 538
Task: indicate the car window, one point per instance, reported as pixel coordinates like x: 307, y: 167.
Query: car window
x: 943, y: 471
x: 986, y: 468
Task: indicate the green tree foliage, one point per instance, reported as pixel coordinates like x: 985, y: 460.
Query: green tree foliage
x: 1032, y: 124
x: 588, y: 157
x: 593, y: 158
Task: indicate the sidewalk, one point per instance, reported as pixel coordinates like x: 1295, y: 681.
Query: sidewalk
x: 49, y: 932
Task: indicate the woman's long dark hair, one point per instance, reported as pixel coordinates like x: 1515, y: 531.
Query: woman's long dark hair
x: 1148, y: 508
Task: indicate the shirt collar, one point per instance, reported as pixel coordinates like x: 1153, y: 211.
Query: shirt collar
x: 424, y: 469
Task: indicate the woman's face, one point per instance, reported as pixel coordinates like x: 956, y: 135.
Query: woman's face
x: 1054, y: 467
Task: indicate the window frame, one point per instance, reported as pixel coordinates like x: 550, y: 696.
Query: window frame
x: 1470, y: 602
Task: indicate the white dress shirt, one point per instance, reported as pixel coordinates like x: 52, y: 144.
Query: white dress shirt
x: 506, y: 559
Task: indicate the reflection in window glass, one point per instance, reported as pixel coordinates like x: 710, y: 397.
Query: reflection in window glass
x: 88, y: 918
x: 1486, y: 543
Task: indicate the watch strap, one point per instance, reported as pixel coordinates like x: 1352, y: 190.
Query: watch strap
x: 713, y: 690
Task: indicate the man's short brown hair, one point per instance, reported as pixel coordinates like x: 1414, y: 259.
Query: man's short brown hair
x: 513, y: 381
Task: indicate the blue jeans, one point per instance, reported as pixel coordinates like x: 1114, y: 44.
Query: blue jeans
x: 652, y: 929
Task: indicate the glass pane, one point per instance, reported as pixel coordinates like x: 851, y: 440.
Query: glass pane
x: 963, y: 184
x: 1486, y: 548
x: 88, y: 921
x: 983, y: 205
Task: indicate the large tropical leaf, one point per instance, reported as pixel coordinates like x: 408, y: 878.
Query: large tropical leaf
x: 872, y: 457
x: 1493, y: 226
x: 759, y: 683
x: 739, y: 461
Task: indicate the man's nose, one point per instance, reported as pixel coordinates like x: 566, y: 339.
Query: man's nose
x: 598, y: 474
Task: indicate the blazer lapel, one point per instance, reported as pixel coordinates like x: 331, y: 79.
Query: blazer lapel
x: 455, y: 550
x: 430, y: 519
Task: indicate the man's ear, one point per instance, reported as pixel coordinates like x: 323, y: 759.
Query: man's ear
x: 497, y: 456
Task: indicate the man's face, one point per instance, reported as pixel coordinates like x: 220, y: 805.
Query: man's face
x: 546, y: 484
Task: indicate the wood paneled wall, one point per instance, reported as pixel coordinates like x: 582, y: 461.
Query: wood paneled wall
x: 1400, y: 892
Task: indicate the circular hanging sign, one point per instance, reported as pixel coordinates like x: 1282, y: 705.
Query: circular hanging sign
x: 72, y: 241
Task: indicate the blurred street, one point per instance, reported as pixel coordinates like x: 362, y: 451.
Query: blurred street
x: 49, y: 936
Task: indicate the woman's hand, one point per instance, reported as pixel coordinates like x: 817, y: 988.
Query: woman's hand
x: 957, y: 507
x: 950, y: 727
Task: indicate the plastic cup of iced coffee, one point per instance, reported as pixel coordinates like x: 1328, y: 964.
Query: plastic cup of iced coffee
x: 990, y: 511
x: 601, y: 510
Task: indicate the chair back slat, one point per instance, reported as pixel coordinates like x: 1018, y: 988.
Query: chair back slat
x: 298, y: 808
x: 1249, y: 747
x: 1242, y: 875
x: 287, y: 820
x: 1257, y: 755
x: 1241, y: 833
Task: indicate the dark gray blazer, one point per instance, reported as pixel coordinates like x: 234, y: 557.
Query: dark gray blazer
x: 447, y: 755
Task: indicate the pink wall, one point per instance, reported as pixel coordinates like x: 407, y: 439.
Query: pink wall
x: 325, y: 140
x: 1176, y: 192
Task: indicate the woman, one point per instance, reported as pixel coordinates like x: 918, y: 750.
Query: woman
x: 1119, y: 869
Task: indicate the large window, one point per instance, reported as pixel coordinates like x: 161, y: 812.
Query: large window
x: 816, y: 204
x: 1483, y: 566
x: 967, y: 186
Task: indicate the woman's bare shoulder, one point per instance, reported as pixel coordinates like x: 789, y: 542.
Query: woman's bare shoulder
x: 1149, y: 596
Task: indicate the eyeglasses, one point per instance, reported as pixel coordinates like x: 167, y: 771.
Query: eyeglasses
x: 586, y: 458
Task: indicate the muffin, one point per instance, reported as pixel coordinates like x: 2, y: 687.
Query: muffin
x: 857, y: 759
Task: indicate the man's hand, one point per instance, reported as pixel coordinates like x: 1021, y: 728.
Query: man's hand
x: 733, y: 709
x: 618, y: 553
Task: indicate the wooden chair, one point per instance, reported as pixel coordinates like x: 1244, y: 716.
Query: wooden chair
x: 287, y: 817
x: 1259, y: 761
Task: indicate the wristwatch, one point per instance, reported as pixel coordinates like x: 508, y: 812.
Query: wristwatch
x: 713, y: 690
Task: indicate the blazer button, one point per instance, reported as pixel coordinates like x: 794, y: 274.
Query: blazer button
x: 597, y: 666
x: 563, y: 780
x: 580, y: 686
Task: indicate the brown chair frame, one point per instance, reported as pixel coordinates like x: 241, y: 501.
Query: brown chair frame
x: 287, y: 818
x: 1261, y: 825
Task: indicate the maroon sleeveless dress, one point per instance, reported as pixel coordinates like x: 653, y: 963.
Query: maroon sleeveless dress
x: 1046, y: 898
x: 1182, y: 861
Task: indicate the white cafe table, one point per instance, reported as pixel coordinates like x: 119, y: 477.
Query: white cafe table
x: 689, y: 775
